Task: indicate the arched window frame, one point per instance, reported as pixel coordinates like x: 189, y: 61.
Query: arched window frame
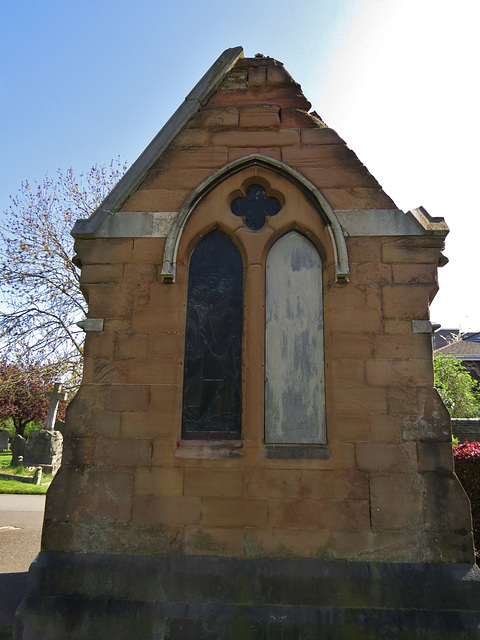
x: 213, y: 211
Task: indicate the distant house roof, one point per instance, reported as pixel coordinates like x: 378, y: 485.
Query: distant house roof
x: 463, y: 349
x: 443, y: 337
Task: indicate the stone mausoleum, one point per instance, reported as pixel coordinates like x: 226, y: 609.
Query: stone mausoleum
x: 257, y: 446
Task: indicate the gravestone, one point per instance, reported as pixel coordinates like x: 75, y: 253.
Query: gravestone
x: 257, y: 442
x: 44, y: 447
x: 18, y: 450
x: 56, y: 396
x: 3, y: 440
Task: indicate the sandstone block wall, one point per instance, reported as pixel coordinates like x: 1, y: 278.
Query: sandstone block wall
x: 386, y: 491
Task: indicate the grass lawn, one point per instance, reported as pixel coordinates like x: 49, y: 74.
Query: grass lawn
x: 10, y: 485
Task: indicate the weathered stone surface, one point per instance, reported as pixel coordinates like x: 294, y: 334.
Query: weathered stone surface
x: 210, y: 597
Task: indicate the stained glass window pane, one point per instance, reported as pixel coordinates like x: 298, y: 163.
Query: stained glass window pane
x: 255, y: 207
x: 212, y: 396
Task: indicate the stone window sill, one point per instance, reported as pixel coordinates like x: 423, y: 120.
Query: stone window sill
x: 210, y: 449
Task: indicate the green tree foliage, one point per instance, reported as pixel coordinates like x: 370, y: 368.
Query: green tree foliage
x: 458, y: 390
x: 22, y: 393
x: 40, y: 299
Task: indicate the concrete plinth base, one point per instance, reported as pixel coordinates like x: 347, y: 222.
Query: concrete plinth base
x: 80, y: 596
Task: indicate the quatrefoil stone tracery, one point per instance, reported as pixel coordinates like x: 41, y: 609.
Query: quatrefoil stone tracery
x: 255, y: 207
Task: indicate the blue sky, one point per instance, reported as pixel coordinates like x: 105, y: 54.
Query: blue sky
x: 83, y: 82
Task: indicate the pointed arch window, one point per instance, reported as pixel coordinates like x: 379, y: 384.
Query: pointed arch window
x: 212, y: 390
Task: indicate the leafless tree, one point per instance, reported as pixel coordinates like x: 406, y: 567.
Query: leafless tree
x: 39, y: 284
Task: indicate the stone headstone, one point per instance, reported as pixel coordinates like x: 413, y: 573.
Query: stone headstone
x: 18, y: 450
x: 44, y: 448
x: 3, y: 440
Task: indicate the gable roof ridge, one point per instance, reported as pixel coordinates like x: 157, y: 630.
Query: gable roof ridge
x: 198, y: 96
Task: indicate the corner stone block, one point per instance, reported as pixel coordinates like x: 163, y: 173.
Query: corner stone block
x: 435, y: 456
x: 402, y: 302
x: 323, y: 135
x: 78, y: 451
x: 298, y: 119
x: 449, y: 547
x: 385, y: 373
x: 108, y: 300
x: 358, y: 198
x: 91, y: 495
x: 61, y: 503
x: 415, y: 273
x: 107, y: 273
x: 99, y: 345
x: 257, y: 76
x: 447, y: 507
x: 424, y: 415
x: 339, y: 177
x: 390, y: 347
x: 104, y: 251
x: 402, y: 252
x: 396, y: 502
x: 87, y: 415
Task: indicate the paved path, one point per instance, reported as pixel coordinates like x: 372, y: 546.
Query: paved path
x: 21, y: 520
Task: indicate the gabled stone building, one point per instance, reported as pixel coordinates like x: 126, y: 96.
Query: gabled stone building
x: 257, y: 439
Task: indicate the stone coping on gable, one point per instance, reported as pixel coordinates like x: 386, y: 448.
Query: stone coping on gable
x: 197, y: 97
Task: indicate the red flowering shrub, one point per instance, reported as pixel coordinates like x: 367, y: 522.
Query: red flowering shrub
x: 466, y: 450
x: 22, y: 393
x: 467, y: 468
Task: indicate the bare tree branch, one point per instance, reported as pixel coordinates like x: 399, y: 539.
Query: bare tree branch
x: 40, y: 298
